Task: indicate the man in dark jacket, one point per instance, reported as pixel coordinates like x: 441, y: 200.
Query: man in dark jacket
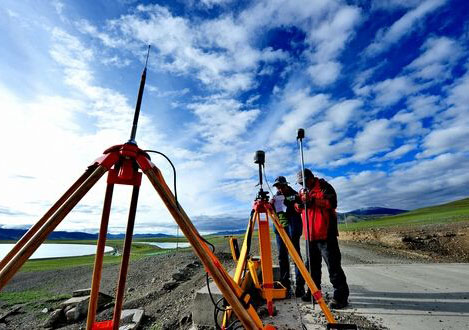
x: 284, y: 205
x: 321, y: 201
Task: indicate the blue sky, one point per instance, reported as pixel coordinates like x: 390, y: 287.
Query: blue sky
x: 381, y: 88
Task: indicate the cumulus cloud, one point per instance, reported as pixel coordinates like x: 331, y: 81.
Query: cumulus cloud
x: 328, y: 40
x: 438, y: 57
x: 345, y: 112
x: 446, y: 139
x: 303, y: 109
x: 324, y: 73
x: 221, y: 122
x: 391, y: 91
x: 377, y: 136
x: 392, y: 5
x: 399, y: 152
x: 407, y: 186
x: 386, y: 37
x: 330, y: 37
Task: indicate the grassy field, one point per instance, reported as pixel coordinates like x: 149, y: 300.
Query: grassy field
x: 439, y: 214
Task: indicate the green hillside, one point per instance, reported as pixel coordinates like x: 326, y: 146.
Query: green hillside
x: 444, y: 213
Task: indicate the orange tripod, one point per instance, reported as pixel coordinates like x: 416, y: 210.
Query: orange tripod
x: 123, y: 163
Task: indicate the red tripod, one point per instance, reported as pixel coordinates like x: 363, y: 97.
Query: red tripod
x: 123, y: 163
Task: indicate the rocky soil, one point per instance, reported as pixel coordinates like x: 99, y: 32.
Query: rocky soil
x: 164, y: 285
x: 436, y: 243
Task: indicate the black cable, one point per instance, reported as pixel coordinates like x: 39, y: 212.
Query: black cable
x: 267, y: 182
x: 174, y: 172
x: 210, y: 294
x: 208, y: 243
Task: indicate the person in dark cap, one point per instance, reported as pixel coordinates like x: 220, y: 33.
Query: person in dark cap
x: 320, y: 199
x: 284, y: 205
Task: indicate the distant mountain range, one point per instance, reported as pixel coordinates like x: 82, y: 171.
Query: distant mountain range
x: 16, y: 234
x: 367, y: 213
x: 229, y: 232
x: 375, y: 211
x: 358, y: 215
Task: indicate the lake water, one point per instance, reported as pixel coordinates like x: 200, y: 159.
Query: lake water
x: 57, y: 250
x: 167, y: 245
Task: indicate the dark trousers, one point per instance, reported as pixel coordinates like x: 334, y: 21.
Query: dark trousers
x: 284, y: 260
x: 329, y: 250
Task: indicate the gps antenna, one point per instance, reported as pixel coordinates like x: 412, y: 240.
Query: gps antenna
x: 139, y: 101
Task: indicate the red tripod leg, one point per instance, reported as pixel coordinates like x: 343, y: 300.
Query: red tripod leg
x: 125, y: 259
x: 33, y: 230
x: 192, y: 236
x: 98, y: 263
x: 28, y: 249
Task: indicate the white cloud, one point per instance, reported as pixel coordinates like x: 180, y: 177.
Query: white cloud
x: 328, y: 40
x: 404, y: 26
x: 438, y: 57
x: 408, y: 186
x: 213, y: 3
x: 377, y: 136
x: 303, y: 108
x: 330, y: 37
x: 391, y: 5
x: 399, y: 152
x: 328, y: 154
x: 222, y: 49
x: 391, y: 91
x: 424, y: 106
x: 449, y: 131
x: 323, y: 74
x: 458, y: 101
x: 344, y: 113
x: 222, y: 122
x: 446, y: 139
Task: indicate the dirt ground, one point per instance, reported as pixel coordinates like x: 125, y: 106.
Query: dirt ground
x: 150, y: 285
x: 438, y: 243
x: 167, y: 302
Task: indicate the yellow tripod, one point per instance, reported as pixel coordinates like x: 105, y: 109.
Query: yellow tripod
x: 261, y: 213
x: 270, y: 290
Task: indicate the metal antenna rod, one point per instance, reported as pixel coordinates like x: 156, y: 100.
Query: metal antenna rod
x: 139, y: 101
x: 300, y: 136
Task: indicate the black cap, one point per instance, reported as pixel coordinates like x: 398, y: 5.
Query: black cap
x: 280, y: 180
x: 299, y: 175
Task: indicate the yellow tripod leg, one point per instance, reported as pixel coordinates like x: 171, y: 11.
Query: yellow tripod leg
x: 302, y: 268
x: 241, y: 265
x: 242, y: 260
x: 266, y: 261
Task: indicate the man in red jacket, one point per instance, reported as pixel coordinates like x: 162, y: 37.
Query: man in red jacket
x: 321, y: 202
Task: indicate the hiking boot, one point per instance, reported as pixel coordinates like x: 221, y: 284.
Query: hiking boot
x: 306, y: 297
x: 336, y: 304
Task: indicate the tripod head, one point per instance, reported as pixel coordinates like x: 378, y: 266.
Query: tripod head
x: 259, y: 158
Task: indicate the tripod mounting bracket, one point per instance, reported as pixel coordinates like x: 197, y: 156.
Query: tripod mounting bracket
x: 262, y: 195
x: 261, y: 206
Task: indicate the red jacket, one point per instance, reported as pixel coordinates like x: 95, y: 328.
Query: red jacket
x: 321, y: 205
